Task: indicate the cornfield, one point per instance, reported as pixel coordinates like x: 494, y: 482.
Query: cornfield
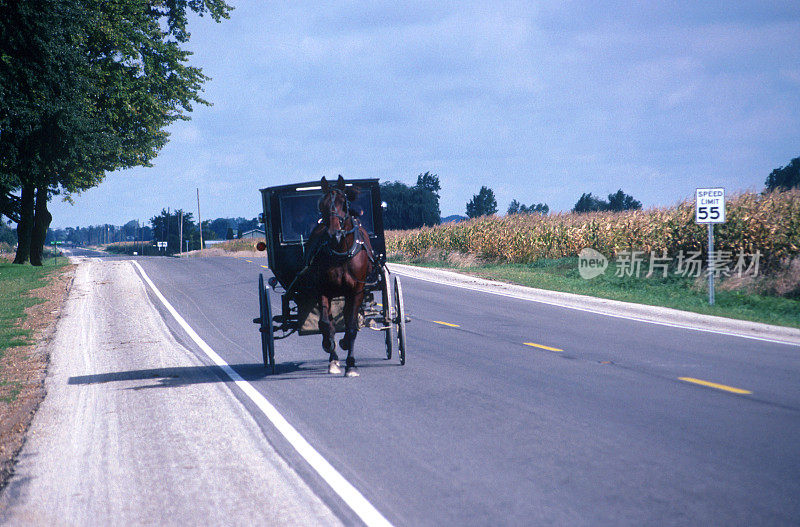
x: 767, y: 223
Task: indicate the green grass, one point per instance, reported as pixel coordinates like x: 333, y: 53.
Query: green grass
x: 16, y: 282
x: 674, y: 291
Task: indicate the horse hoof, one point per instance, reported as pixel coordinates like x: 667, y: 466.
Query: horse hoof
x: 351, y: 371
x: 333, y: 367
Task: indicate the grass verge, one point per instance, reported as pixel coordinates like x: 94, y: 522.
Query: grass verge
x: 674, y: 291
x: 16, y: 284
x: 30, y: 302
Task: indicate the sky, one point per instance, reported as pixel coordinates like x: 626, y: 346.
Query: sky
x: 539, y: 101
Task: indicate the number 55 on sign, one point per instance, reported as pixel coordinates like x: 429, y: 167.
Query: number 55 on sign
x: 710, y: 205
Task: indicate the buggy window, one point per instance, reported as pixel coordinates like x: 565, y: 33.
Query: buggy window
x: 299, y: 215
x: 364, y: 204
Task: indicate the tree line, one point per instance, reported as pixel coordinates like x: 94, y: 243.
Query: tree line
x: 165, y: 226
x: 484, y: 202
x: 87, y: 87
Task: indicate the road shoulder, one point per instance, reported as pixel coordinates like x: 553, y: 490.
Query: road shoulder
x: 135, y: 429
x: 24, y: 368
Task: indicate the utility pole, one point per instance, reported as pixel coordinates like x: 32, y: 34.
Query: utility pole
x: 180, y: 237
x: 200, y: 220
x: 169, y: 217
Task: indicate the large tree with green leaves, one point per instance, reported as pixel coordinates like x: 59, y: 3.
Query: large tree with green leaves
x: 412, y: 207
x: 167, y: 228
x: 87, y: 87
x: 482, y: 204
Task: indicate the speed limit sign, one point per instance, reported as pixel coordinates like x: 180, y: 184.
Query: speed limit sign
x: 710, y: 205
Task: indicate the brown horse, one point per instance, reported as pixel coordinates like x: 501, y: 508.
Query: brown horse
x: 343, y: 259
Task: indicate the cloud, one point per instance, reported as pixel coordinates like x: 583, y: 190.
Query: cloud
x: 541, y: 101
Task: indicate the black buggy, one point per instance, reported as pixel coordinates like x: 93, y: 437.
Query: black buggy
x: 290, y: 215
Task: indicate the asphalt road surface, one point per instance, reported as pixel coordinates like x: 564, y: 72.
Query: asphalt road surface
x: 512, y: 412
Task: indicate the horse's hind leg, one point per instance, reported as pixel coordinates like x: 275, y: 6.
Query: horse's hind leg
x: 351, y: 305
x: 328, y: 331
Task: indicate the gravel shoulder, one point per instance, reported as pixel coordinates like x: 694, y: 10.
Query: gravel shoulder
x: 136, y: 430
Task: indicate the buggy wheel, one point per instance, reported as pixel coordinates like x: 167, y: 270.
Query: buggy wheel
x: 267, y: 336
x: 401, y: 320
x: 388, y: 313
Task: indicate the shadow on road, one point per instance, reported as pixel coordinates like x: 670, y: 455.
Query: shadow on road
x: 187, y: 375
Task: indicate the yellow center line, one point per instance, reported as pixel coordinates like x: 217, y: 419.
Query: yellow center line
x: 714, y: 385
x: 265, y: 266
x: 246, y: 260
x: 447, y: 324
x: 548, y: 348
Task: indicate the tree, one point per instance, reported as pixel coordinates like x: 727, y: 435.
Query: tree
x: 784, y: 178
x: 247, y: 225
x: 411, y: 207
x: 428, y: 188
x: 617, y: 202
x: 130, y: 231
x: 620, y: 201
x: 430, y: 182
x: 589, y: 203
x: 87, y: 88
x: 539, y: 208
x: 482, y: 204
x: 7, y: 235
x: 515, y: 207
x: 166, y: 228
x: 220, y: 227
x: 42, y: 111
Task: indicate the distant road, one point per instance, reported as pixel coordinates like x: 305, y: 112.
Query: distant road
x: 512, y: 412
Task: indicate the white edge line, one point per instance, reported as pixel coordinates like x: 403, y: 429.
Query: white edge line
x: 351, y: 496
x: 596, y: 312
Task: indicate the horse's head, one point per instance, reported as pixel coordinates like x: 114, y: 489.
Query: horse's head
x: 335, y: 206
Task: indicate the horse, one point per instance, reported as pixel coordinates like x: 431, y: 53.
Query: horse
x: 343, y: 259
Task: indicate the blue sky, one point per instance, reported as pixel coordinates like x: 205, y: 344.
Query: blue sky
x: 540, y: 101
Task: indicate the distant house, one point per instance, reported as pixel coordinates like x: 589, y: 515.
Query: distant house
x: 255, y: 233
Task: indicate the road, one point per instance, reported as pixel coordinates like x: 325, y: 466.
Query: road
x: 513, y: 412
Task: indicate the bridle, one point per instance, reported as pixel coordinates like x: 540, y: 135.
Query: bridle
x: 340, y: 233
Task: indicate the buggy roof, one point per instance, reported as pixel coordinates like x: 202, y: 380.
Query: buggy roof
x: 315, y: 185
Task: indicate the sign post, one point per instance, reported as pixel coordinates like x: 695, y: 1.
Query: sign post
x: 55, y: 245
x: 710, y: 209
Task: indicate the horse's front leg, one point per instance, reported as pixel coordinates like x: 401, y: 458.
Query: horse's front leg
x: 328, y: 331
x: 351, y: 306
